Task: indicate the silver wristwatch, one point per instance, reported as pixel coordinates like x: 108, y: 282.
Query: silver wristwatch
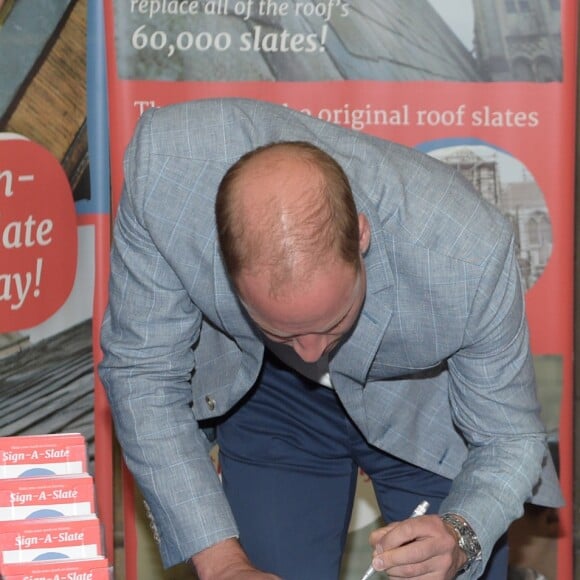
x: 466, y: 539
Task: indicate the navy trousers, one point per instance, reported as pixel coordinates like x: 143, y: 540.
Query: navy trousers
x: 289, y: 456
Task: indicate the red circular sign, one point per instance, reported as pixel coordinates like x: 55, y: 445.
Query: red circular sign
x: 38, y: 235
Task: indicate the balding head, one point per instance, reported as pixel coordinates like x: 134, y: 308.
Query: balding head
x: 283, y: 211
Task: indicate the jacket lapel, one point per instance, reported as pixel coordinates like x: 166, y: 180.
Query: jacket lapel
x: 350, y: 366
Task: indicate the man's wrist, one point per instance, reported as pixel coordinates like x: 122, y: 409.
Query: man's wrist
x: 466, y: 537
x: 216, y: 560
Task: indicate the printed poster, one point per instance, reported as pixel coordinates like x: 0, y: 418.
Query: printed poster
x: 48, y: 225
x: 486, y: 86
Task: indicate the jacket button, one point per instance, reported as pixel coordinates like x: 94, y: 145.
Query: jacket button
x: 210, y: 403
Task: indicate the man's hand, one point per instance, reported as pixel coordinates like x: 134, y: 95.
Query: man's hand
x: 227, y: 561
x: 417, y: 547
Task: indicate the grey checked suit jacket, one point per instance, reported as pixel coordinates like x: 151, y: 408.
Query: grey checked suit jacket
x: 437, y: 371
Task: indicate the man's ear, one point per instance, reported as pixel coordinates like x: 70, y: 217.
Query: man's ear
x: 364, y: 233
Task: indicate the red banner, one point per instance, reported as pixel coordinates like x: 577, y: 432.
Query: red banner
x: 487, y: 87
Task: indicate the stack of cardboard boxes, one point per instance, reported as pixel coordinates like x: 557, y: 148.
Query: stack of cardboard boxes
x: 48, y: 524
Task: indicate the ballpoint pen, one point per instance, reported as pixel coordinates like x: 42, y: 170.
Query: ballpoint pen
x: 420, y: 510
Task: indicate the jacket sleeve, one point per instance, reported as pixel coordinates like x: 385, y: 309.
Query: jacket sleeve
x: 148, y: 336
x: 494, y: 406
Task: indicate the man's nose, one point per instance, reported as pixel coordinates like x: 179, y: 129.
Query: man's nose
x: 310, y: 347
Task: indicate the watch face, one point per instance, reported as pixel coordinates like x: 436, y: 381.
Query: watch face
x: 467, y: 539
x: 467, y: 545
